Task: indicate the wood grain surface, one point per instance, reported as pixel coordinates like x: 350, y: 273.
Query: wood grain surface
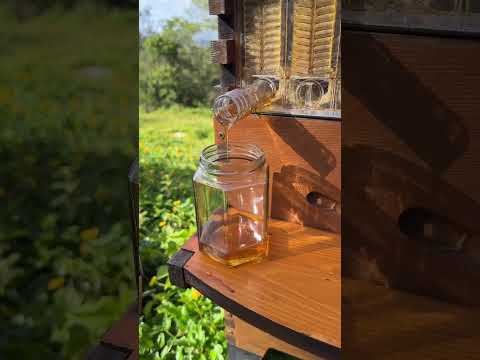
x: 219, y: 7
x: 421, y: 101
x: 222, y: 51
x: 304, y: 156
x: 388, y: 324
x: 249, y: 338
x: 297, y: 287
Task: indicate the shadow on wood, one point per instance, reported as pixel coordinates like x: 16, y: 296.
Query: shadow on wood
x: 302, y: 197
x: 398, y: 98
x: 307, y: 146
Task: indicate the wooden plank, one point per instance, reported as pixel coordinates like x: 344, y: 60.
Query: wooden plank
x: 388, y: 324
x: 222, y: 51
x: 304, y: 156
x: 293, y: 295
x: 249, y: 338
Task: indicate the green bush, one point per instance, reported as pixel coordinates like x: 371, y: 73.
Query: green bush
x: 176, y: 323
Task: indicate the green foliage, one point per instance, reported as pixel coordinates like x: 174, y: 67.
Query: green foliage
x: 180, y: 325
x: 65, y: 276
x: 176, y: 324
x: 175, y: 70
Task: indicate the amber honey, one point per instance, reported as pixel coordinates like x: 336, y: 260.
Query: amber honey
x: 231, y: 203
x: 234, y: 238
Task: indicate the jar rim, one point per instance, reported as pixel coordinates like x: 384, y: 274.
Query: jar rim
x: 212, y: 155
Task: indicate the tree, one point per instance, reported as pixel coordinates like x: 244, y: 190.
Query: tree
x: 173, y: 69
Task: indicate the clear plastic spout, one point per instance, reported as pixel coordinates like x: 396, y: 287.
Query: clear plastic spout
x: 234, y: 105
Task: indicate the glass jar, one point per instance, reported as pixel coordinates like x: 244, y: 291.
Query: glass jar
x: 238, y: 103
x: 231, y: 202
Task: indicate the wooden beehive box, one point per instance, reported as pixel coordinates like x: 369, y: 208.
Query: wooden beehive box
x: 292, y: 299
x: 304, y: 153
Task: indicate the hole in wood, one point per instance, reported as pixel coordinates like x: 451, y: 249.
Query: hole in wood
x: 317, y: 199
x: 437, y: 231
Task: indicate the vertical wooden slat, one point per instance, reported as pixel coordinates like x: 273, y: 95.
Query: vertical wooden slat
x: 220, y: 7
x: 222, y: 51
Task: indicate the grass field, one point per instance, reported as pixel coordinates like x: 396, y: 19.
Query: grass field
x: 177, y: 324
x: 65, y: 272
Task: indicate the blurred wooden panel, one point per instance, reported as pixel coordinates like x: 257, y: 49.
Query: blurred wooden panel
x: 416, y: 97
x: 388, y: 324
x: 304, y: 156
x: 411, y: 138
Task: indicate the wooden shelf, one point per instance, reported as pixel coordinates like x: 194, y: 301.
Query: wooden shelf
x: 389, y: 324
x: 294, y: 294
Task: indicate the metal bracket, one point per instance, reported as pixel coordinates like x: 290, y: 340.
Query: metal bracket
x: 175, y: 268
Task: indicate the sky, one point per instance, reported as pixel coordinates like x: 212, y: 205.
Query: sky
x: 162, y: 10
x: 165, y: 9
